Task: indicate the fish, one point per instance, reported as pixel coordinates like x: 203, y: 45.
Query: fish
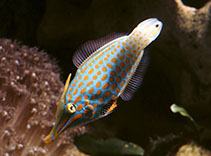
x: 108, y: 68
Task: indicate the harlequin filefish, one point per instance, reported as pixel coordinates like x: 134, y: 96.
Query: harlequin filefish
x: 108, y: 68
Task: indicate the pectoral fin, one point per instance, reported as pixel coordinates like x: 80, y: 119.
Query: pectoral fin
x: 108, y: 108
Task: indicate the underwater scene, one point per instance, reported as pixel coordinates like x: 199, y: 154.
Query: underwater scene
x: 105, y: 78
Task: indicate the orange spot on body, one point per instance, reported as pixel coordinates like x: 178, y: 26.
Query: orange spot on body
x: 105, y: 85
x: 122, y: 65
x: 108, y: 55
x: 113, y: 60
x: 107, y: 49
x: 113, y: 45
x: 95, y: 105
x: 123, y: 43
x: 96, y: 66
x: 86, y: 97
x: 75, y: 91
x: 140, y: 38
x: 111, y: 79
x: 79, y: 107
x: 91, y: 90
x: 71, y: 89
x: 96, y: 58
x: 86, y: 102
x: 98, y: 92
x: 82, y: 90
x: 129, y: 55
x: 86, y: 77
x: 122, y: 84
x: 123, y: 74
x: 93, y: 113
x: 130, y: 42
x: 117, y: 90
x: 82, y: 71
x: 146, y: 40
x: 73, y: 84
x: 89, y: 83
x: 118, y: 79
x: 138, y: 48
x: 101, y: 100
x: 115, y: 49
x: 75, y: 80
x: 104, y: 69
x: 128, y: 67
x: 93, y: 97
x: 121, y: 57
x: 122, y: 50
x: 98, y: 72
x: 127, y: 47
x: 113, y: 73
x: 112, y: 52
x: 133, y: 46
x: 113, y: 86
x: 79, y: 77
x: 78, y: 99
x: 127, y: 60
x: 117, y: 68
x: 134, y: 51
x: 107, y: 93
x: 91, y: 71
x: 109, y: 65
x: 105, y: 59
x: 118, y: 46
x: 100, y: 62
x: 94, y: 77
x: 69, y: 97
x: 90, y: 64
x: 98, y: 84
x: 104, y: 77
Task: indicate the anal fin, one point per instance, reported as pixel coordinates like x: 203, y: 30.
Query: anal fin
x: 136, y: 79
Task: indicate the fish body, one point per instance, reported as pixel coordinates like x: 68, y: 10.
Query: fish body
x: 103, y: 77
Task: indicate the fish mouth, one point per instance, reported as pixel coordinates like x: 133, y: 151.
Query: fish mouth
x: 49, y: 138
x: 65, y: 122
x: 58, y: 128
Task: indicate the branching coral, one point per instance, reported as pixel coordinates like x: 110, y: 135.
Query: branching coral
x: 29, y: 90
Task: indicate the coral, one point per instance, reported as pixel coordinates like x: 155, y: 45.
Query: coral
x: 30, y: 88
x: 192, y: 149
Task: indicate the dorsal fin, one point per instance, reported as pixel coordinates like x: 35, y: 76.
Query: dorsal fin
x: 91, y: 46
x: 65, y: 89
x: 136, y: 79
x: 108, y: 108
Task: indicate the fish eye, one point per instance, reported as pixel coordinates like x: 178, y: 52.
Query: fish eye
x: 71, y: 108
x: 157, y: 25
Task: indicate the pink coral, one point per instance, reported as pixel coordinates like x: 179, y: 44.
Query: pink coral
x: 30, y: 87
